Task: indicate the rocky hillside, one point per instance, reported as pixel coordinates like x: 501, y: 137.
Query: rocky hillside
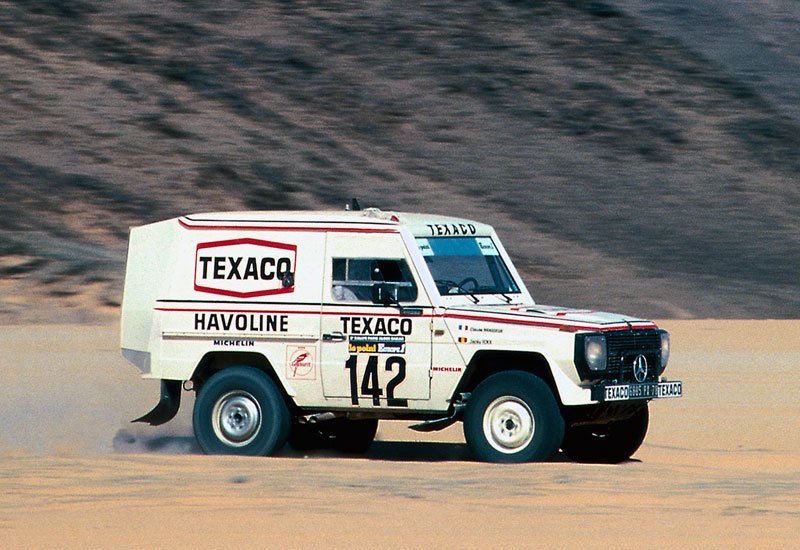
x: 624, y: 170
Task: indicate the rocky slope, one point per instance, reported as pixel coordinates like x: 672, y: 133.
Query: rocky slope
x: 624, y: 170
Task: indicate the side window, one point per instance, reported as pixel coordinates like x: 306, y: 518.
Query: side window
x: 353, y: 279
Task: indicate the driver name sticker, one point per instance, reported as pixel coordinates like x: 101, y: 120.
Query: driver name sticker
x: 472, y: 328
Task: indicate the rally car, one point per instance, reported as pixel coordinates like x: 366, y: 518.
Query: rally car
x: 310, y: 327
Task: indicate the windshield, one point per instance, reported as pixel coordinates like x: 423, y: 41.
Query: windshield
x: 466, y: 265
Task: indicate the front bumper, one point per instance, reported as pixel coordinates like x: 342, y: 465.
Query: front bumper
x: 607, y: 392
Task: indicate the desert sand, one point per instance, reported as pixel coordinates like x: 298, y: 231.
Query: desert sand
x: 719, y: 468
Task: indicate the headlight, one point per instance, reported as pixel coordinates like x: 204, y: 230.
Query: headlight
x: 594, y: 349
x: 664, y: 349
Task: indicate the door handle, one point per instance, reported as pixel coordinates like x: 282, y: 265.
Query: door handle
x: 333, y: 337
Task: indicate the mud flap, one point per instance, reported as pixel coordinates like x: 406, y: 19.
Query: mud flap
x: 442, y: 423
x: 166, y: 409
x: 434, y: 425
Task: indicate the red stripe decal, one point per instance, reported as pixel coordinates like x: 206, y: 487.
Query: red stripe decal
x: 526, y: 322
x: 555, y: 324
x: 292, y: 312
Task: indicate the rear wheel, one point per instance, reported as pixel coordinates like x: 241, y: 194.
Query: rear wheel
x: 306, y: 437
x: 240, y: 411
x: 609, y: 443
x: 353, y: 436
x: 513, y: 417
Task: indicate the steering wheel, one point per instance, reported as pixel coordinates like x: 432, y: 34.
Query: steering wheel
x: 472, y: 280
x: 447, y: 285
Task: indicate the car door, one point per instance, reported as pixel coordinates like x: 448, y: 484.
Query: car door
x: 373, y: 355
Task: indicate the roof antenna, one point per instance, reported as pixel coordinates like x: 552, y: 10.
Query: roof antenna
x: 354, y: 206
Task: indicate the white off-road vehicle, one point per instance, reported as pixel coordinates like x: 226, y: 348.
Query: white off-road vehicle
x: 309, y: 327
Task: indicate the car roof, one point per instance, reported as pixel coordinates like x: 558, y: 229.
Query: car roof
x: 420, y: 225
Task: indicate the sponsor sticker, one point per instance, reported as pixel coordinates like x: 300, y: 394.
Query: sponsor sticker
x: 447, y: 369
x: 301, y: 363
x: 241, y: 322
x: 245, y: 268
x: 451, y: 229
x: 487, y: 246
x: 234, y: 343
x: 377, y: 344
x: 377, y: 325
x: 425, y: 247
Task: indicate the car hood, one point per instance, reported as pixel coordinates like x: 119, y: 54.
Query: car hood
x: 551, y: 316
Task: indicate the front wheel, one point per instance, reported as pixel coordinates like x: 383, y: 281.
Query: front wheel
x: 513, y: 417
x: 240, y: 411
x: 608, y: 443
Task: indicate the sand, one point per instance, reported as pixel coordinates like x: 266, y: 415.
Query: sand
x: 719, y: 468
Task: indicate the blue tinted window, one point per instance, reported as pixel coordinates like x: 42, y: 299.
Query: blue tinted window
x: 466, y: 265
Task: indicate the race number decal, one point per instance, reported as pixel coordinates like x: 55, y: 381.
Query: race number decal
x: 370, y: 385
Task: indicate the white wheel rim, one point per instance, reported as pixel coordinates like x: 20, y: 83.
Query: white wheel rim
x: 236, y: 418
x: 508, y: 424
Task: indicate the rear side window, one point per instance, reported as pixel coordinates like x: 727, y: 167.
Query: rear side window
x: 353, y: 278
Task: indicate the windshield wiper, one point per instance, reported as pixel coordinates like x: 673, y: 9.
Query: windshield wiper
x: 506, y: 298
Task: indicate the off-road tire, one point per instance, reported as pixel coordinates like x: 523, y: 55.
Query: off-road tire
x: 609, y: 443
x: 353, y: 436
x: 513, y: 417
x: 306, y: 437
x: 240, y: 411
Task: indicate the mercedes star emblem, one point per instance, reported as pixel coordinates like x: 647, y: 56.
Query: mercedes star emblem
x: 640, y: 368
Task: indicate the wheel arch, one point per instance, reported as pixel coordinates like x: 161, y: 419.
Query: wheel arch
x: 489, y: 362
x: 216, y: 361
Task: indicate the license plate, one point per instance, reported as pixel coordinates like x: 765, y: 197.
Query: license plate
x: 627, y: 392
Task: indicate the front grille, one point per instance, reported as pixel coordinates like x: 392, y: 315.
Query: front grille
x: 623, y: 347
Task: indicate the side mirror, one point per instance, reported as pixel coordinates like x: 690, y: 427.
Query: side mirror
x: 384, y: 294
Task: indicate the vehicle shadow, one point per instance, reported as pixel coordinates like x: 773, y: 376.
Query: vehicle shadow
x: 396, y: 451
x: 131, y: 442
x: 402, y: 451
x: 128, y: 442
